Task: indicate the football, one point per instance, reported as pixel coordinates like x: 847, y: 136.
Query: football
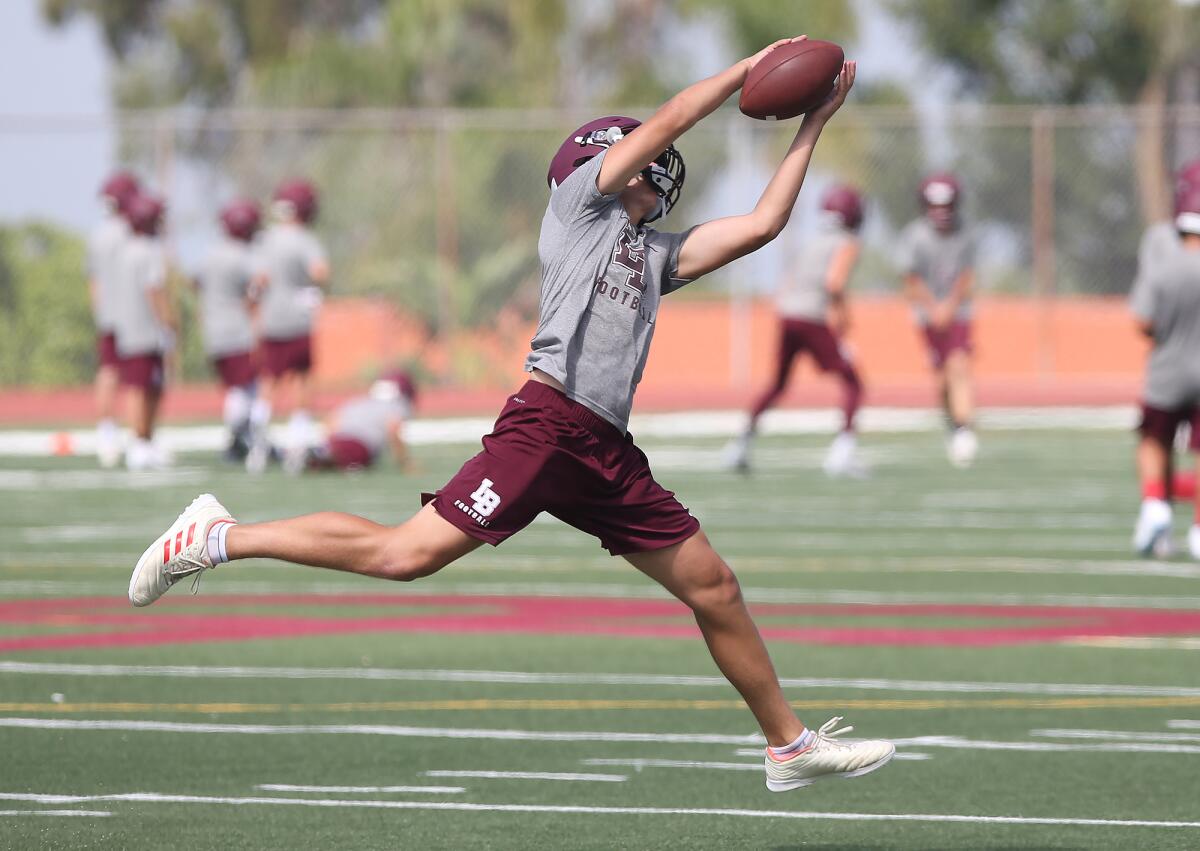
x: 791, y: 80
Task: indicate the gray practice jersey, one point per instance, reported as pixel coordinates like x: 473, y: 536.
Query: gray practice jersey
x: 938, y: 259
x: 1159, y: 242
x: 141, y: 267
x: 289, y: 301
x: 224, y: 287
x: 103, y: 251
x: 602, y: 278
x: 1169, y: 299
x: 369, y: 421
x: 803, y: 294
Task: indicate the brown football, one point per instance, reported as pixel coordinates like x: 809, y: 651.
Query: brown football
x: 791, y: 80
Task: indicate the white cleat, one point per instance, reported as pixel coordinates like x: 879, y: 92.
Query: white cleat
x: 736, y: 454
x: 1194, y: 542
x: 179, y: 552
x: 842, y: 459
x: 963, y: 447
x: 1152, y: 534
x: 826, y: 758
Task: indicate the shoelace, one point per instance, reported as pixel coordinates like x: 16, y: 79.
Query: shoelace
x: 827, y: 732
x: 191, y: 567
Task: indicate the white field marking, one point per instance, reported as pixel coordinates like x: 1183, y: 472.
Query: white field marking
x: 94, y: 813
x: 578, y: 678
x: 1114, y: 735
x: 913, y: 755
x: 63, y: 480
x: 375, y: 790
x: 959, y: 743
x: 1134, y: 642
x: 77, y: 532
x: 639, y: 764
x: 1184, y: 724
x: 457, y: 806
x: 530, y: 775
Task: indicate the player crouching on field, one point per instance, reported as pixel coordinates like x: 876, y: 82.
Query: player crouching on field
x: 225, y: 288
x: 813, y: 318
x: 560, y: 444
x: 1166, y: 303
x: 937, y: 259
x: 362, y: 428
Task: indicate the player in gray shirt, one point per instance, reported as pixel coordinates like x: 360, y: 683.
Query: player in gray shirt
x: 103, y: 251
x: 936, y: 256
x: 560, y: 444
x: 1166, y: 303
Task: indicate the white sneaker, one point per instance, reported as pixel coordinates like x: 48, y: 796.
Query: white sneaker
x: 1153, y: 530
x: 842, y: 459
x: 963, y: 447
x: 258, y: 457
x: 736, y: 454
x: 1194, y: 542
x: 826, y: 758
x: 180, y: 551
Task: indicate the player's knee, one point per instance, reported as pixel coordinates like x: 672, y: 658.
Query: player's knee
x: 403, y: 560
x: 715, y: 586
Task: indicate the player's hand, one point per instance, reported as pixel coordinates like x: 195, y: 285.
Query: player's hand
x: 841, y: 88
x: 839, y: 321
x: 942, y: 315
x: 749, y: 63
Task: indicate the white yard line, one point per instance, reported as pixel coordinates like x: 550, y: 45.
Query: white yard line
x: 1184, y: 724
x: 93, y: 813
x: 639, y: 764
x: 583, y: 678
x: 154, y: 797
x: 530, y: 775
x: 1136, y: 642
x: 374, y: 790
x: 1114, y: 735
x: 901, y: 755
x: 959, y: 743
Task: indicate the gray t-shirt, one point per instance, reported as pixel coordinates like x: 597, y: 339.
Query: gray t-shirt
x: 938, y: 259
x: 290, y: 299
x: 141, y: 267
x: 803, y: 294
x: 1169, y: 299
x: 1160, y: 241
x: 225, y: 283
x: 369, y: 421
x: 103, y: 250
x: 602, y: 278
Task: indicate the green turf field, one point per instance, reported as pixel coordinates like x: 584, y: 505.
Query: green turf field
x: 1043, y: 686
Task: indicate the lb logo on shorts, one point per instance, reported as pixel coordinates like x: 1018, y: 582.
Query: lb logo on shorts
x: 485, y: 502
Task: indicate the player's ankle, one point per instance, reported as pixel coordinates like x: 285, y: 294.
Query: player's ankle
x: 218, y: 542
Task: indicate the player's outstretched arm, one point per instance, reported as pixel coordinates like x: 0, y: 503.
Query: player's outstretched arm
x: 714, y: 244
x: 633, y: 153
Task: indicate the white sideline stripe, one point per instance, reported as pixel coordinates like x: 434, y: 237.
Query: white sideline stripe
x: 1136, y: 642
x: 379, y: 730
x: 537, y: 678
x: 431, y: 790
x: 153, y: 797
x: 639, y: 764
x: 1114, y: 735
x: 1184, y: 724
x: 96, y: 813
x: 530, y: 775
x: 959, y: 743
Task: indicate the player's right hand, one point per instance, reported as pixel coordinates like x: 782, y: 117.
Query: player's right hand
x: 750, y: 62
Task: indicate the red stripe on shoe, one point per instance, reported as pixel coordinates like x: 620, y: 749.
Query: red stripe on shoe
x: 178, y: 541
x: 191, y: 535
x: 166, y: 550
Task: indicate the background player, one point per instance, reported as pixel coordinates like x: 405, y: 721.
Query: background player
x: 560, y: 444
x: 225, y: 287
x: 293, y: 270
x: 1166, y: 304
x: 813, y: 317
x: 103, y: 251
x: 937, y: 259
x: 145, y: 327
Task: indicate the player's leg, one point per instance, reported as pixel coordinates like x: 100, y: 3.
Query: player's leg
x: 961, y: 406
x: 1152, y: 532
x: 1194, y: 446
x: 261, y: 410
x: 108, y: 449
x: 841, y: 460
x: 737, y: 452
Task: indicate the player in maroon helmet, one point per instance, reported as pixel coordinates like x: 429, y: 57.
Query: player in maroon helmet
x: 561, y: 443
x: 813, y: 318
x: 144, y: 324
x: 292, y: 273
x: 225, y: 287
x: 103, y: 248
x: 937, y: 259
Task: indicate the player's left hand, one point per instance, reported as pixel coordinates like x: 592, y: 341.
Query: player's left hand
x: 841, y: 88
x: 749, y: 63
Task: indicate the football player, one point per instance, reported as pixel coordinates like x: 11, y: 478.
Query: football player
x: 226, y: 300
x: 292, y: 272
x: 1161, y: 239
x: 937, y: 259
x: 813, y: 318
x: 560, y: 444
x: 1166, y: 304
x: 145, y: 327
x: 103, y: 248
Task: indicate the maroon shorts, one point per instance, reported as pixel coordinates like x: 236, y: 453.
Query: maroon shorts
x: 808, y: 335
x: 347, y: 453
x: 235, y: 370
x: 282, y: 356
x: 106, y: 350
x: 141, y: 371
x: 943, y: 341
x: 549, y: 453
x: 1160, y: 425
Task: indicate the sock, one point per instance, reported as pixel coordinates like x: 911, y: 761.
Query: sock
x: 300, y: 429
x: 1183, y: 486
x: 216, y: 542
x: 802, y: 741
x: 237, y: 408
x: 106, y: 430
x: 1153, y: 489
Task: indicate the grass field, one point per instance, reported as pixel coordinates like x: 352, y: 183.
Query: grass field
x: 1042, y: 686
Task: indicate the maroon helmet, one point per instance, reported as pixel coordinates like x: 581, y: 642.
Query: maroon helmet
x: 301, y: 196
x: 241, y: 218
x: 939, y: 195
x: 144, y: 212
x: 393, y: 385
x: 665, y: 175
x: 119, y: 188
x: 1186, y: 179
x: 845, y: 203
x: 1187, y: 210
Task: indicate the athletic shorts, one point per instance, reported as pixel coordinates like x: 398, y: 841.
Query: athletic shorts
x: 142, y: 371
x: 282, y: 356
x: 808, y: 335
x: 549, y: 453
x: 943, y: 341
x: 1160, y: 425
x: 106, y: 350
x: 236, y: 370
x: 347, y: 453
